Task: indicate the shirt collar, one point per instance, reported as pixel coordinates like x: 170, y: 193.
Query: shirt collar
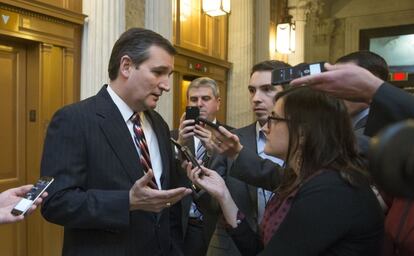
x: 258, y: 129
x: 359, y: 116
x: 125, y: 110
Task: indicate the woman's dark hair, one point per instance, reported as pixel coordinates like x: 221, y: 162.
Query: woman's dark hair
x: 135, y: 43
x: 320, y: 130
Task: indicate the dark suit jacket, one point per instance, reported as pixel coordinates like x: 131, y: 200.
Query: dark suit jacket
x: 244, y: 195
x: 204, y: 202
x: 389, y: 105
x: 361, y: 138
x: 90, y: 153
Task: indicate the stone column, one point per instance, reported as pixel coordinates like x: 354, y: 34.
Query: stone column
x: 103, y: 26
x: 158, y: 17
x: 134, y: 13
x: 262, y: 28
x: 297, y: 10
x: 240, y: 53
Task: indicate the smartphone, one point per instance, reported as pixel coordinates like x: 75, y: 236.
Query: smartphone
x: 186, y: 152
x: 192, y: 112
x: 211, y: 124
x: 285, y: 75
x: 35, y: 192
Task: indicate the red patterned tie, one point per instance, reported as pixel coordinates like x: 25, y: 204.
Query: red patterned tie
x: 141, y: 143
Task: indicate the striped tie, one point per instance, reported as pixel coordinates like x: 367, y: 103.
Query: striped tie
x: 141, y: 143
x: 201, y: 151
x: 201, y: 154
x: 195, y: 212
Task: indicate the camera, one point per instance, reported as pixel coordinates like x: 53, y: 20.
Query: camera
x: 285, y: 75
x: 391, y: 159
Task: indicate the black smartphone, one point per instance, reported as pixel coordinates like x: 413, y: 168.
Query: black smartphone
x: 211, y: 124
x: 186, y: 152
x: 192, y: 112
x: 35, y: 192
x: 285, y: 75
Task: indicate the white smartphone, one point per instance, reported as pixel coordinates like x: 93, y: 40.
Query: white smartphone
x: 27, y: 201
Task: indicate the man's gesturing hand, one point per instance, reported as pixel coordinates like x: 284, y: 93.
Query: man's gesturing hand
x: 142, y: 197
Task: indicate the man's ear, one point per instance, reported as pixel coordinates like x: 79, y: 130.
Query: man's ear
x: 125, y: 66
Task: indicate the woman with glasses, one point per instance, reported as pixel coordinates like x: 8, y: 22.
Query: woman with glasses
x: 323, y: 205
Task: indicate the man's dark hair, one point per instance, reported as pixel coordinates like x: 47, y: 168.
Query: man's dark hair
x: 268, y: 65
x: 368, y: 60
x: 135, y: 43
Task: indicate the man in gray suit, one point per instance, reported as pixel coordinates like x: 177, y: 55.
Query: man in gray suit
x: 198, y: 223
x: 250, y: 200
x: 112, y: 160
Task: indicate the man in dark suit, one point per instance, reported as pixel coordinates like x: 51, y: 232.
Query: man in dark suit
x: 112, y: 160
x: 198, y: 217
x: 359, y: 110
x: 250, y: 199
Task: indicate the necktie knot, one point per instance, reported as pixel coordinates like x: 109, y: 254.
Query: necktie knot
x: 136, y: 118
x: 262, y: 135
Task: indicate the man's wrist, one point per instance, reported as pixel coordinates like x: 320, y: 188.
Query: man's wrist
x: 375, y: 84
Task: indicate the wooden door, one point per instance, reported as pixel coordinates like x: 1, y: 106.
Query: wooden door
x: 13, y: 168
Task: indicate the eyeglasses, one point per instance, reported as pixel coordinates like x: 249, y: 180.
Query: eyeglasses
x: 271, y: 118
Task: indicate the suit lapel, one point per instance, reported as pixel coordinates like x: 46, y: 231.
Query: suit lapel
x: 116, y: 131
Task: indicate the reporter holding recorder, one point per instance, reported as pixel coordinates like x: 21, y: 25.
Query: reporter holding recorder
x: 388, y: 104
x: 10, y: 197
x: 323, y: 204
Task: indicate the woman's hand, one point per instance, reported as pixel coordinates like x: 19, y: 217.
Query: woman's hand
x: 209, y: 180
x: 205, y: 136
x: 214, y: 184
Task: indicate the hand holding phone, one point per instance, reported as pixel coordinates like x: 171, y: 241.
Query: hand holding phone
x: 210, y: 124
x: 192, y: 112
x: 186, y: 152
x: 35, y: 192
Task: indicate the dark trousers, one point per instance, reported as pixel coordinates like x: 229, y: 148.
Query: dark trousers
x: 195, y: 243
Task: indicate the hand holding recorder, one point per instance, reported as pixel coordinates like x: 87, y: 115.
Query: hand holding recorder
x: 344, y: 81
x: 15, y: 203
x: 189, y: 157
x: 222, y: 140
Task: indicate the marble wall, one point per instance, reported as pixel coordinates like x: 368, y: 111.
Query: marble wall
x: 241, y: 54
x: 332, y: 28
x: 134, y: 13
x: 326, y: 30
x: 104, y: 24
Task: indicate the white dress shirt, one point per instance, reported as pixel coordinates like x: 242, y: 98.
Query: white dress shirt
x: 150, y: 136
